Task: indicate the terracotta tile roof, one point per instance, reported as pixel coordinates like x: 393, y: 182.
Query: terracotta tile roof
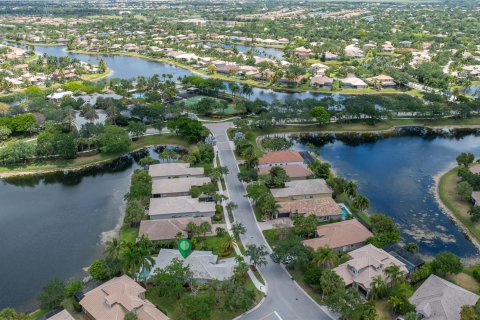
x: 118, y: 296
x: 167, y: 229
x: 321, y: 207
x: 339, y: 234
x: 292, y: 170
x: 475, y: 169
x: 280, y: 157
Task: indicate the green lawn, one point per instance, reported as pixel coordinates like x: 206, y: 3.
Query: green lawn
x: 459, y: 208
x: 129, y: 234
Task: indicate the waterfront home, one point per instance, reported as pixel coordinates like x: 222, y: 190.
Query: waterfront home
x: 174, y: 170
x: 324, y: 208
x: 58, y: 95
x: 439, y: 299
x: 321, y: 81
x: 384, y: 80
x: 353, y: 82
x: 294, y: 171
x: 228, y: 69
x: 280, y: 158
x: 168, y: 229
x: 176, y: 187
x: 302, y: 52
x: 365, y: 264
x: 117, y: 297
x: 475, y: 169
x: 179, y: 207
x: 204, y: 265
x: 329, y: 56
x: 340, y: 236
x: 387, y: 47
x: 352, y: 51
x: 91, y: 99
x: 302, y: 189
x: 58, y: 314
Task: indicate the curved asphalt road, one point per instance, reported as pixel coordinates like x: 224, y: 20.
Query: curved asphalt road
x: 285, y: 299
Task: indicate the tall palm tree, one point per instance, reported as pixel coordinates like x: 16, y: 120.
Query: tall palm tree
x: 204, y: 228
x: 394, y: 275
x: 361, y: 202
x: 326, y: 258
x: 113, y: 248
x: 378, y: 288
x: 226, y: 244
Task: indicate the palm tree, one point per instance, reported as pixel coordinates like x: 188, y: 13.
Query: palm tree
x: 351, y: 189
x: 204, y: 227
x: 326, y: 258
x: 378, y: 288
x: 113, y: 248
x: 226, y: 244
x: 89, y: 113
x: 394, y: 275
x: 231, y: 206
x: 238, y: 229
x: 361, y: 202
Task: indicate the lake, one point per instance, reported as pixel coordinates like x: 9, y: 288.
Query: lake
x: 54, y: 226
x: 127, y: 67
x: 264, y: 52
x: 397, y: 175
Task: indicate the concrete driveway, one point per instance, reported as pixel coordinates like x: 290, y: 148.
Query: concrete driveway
x: 285, y: 300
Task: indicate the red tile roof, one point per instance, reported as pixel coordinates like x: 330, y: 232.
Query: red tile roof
x: 280, y: 157
x: 292, y: 170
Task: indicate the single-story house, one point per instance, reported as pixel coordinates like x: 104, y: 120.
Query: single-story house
x: 167, y: 229
x: 174, y: 170
x: 58, y: 314
x: 365, y: 264
x: 176, y: 187
x: 302, y: 189
x: 475, y: 169
x: 384, y: 80
x: 57, y: 96
x: 439, y: 299
x: 353, y: 82
x: 280, y: 158
x: 203, y: 264
x: 117, y: 297
x: 294, y: 171
x: 324, y: 208
x: 179, y: 207
x: 321, y: 81
x: 318, y: 68
x: 302, y: 52
x: 340, y: 236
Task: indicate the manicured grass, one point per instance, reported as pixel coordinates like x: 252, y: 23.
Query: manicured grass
x: 383, y: 310
x: 297, y: 275
x: 95, y: 76
x: 270, y: 236
x: 77, y: 163
x: 459, y: 207
x: 129, y: 234
x: 259, y: 277
x: 214, y: 244
x: 465, y: 281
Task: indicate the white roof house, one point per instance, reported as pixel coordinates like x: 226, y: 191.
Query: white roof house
x: 176, y: 187
x: 203, y: 264
x: 59, y: 95
x: 354, y: 82
x: 179, y: 207
x: 174, y: 170
x: 439, y: 299
x: 304, y: 189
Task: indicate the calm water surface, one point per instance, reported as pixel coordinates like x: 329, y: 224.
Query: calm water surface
x: 397, y: 175
x: 126, y: 67
x: 55, y: 225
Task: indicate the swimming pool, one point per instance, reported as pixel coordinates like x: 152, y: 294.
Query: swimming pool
x: 138, y: 96
x: 345, y: 211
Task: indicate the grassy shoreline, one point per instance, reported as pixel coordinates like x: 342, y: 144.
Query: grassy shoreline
x: 86, y: 162
x: 255, y: 83
x: 456, y: 208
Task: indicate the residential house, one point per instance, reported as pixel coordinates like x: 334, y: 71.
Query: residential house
x: 294, y: 171
x: 324, y: 208
x: 280, y: 158
x: 353, y: 82
x: 204, y: 265
x: 318, y: 68
x: 176, y: 187
x: 57, y: 96
x: 387, y: 47
x: 340, y: 236
x: 302, y: 189
x: 58, y: 314
x: 475, y: 169
x: 439, y: 299
x: 475, y: 198
x: 321, y: 81
x: 179, y: 207
x: 302, y: 52
x: 117, y: 297
x: 329, y: 56
x: 365, y: 264
x: 228, y: 69
x: 352, y: 51
x: 383, y: 80
x: 174, y: 170
x: 167, y: 229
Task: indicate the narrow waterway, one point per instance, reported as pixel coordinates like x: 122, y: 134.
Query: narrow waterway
x: 397, y: 175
